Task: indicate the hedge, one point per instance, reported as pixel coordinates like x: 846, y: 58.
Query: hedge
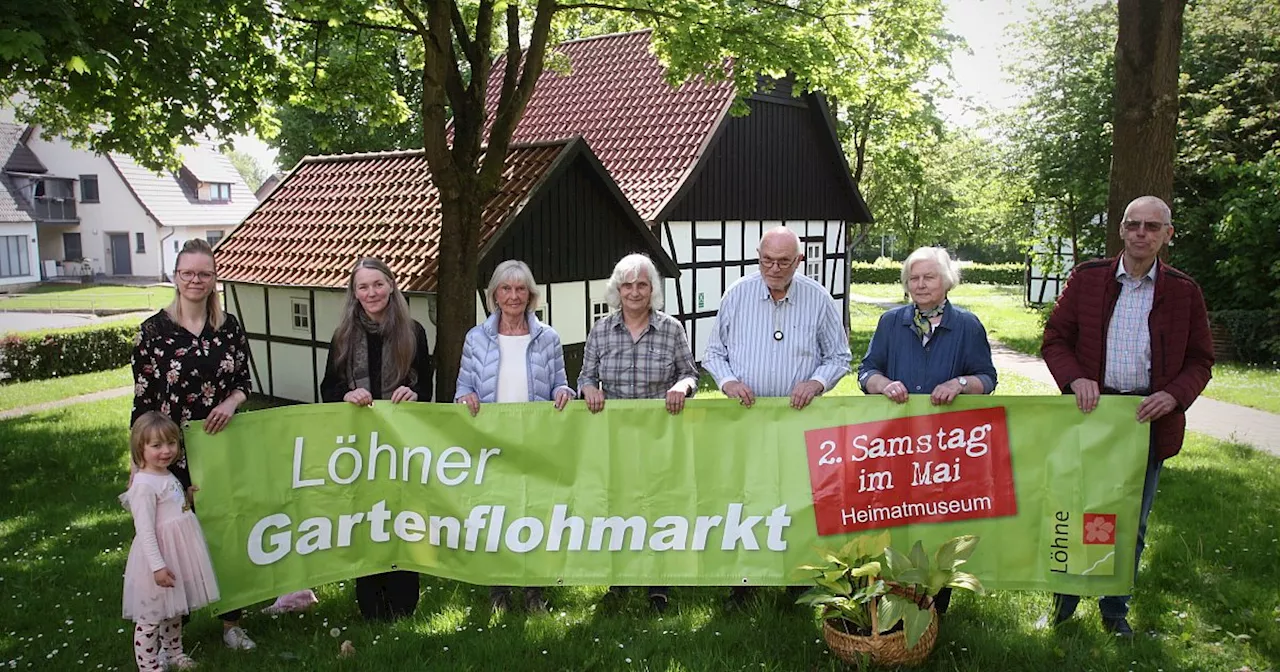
x: 1253, y: 333
x: 55, y: 354
x: 886, y: 271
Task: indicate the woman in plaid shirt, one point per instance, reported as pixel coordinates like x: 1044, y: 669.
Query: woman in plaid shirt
x: 637, y: 352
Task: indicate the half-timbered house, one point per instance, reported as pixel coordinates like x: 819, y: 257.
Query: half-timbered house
x: 709, y: 183
x: 285, y: 269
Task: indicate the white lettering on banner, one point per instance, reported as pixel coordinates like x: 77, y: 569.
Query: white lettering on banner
x: 272, y: 538
x: 454, y: 466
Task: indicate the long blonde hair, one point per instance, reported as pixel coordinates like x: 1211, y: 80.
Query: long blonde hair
x: 398, y: 339
x: 212, y: 305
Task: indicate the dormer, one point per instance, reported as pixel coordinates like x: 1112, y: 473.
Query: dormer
x: 207, y: 178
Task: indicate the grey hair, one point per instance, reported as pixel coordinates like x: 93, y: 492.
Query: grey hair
x: 629, y: 269
x: 1148, y: 200
x: 512, y: 270
x: 782, y: 231
x: 949, y: 270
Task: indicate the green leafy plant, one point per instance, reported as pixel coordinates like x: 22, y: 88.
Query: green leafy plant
x: 866, y: 576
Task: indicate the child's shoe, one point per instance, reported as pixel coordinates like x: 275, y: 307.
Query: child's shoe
x: 236, y: 638
x: 180, y: 661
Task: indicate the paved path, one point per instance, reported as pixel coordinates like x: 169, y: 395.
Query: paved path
x: 50, y: 405
x: 18, y: 322
x: 1219, y: 419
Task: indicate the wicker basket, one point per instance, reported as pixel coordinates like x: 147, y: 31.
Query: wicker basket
x: 888, y: 650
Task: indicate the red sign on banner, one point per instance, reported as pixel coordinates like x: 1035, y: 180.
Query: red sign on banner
x: 920, y: 469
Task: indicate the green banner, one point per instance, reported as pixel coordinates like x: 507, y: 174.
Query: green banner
x: 718, y: 495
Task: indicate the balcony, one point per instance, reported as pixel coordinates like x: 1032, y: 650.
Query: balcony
x: 55, y: 210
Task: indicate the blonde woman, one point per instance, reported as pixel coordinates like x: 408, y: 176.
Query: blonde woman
x: 191, y: 362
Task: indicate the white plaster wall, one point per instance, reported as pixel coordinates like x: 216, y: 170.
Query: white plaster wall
x: 117, y: 210
x: 27, y: 229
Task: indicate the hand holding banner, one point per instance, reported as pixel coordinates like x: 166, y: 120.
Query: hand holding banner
x: 719, y: 495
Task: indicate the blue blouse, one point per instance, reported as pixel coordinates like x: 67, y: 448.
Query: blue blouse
x: 958, y: 347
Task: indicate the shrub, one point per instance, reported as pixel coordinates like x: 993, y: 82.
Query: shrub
x: 886, y: 271
x: 54, y: 354
x: 1252, y: 334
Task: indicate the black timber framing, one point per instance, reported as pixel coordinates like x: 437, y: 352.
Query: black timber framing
x: 575, y: 226
x: 780, y: 162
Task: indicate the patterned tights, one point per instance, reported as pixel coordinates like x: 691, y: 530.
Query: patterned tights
x: 149, y: 638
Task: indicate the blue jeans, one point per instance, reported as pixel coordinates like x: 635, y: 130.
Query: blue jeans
x: 1117, y: 606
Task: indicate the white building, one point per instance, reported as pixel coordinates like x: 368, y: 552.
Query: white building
x: 108, y: 215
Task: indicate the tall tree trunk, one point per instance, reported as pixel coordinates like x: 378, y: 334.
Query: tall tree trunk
x: 1146, y: 114
x: 456, y: 300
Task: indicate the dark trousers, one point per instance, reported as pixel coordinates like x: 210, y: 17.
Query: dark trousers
x: 1117, y: 606
x: 387, y: 596
x: 184, y: 477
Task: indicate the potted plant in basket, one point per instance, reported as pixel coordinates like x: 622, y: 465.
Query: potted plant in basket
x: 876, y: 604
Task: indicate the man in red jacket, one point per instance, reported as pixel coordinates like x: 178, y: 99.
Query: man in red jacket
x: 1132, y: 325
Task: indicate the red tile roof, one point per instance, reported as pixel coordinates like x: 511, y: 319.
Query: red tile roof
x: 332, y: 210
x: 647, y: 134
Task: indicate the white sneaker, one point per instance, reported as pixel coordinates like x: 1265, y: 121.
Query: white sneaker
x: 236, y: 638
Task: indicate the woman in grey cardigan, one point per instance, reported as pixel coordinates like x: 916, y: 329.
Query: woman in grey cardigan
x: 512, y: 357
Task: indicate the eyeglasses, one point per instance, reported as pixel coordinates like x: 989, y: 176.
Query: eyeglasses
x: 781, y: 264
x: 1150, y: 226
x: 188, y: 276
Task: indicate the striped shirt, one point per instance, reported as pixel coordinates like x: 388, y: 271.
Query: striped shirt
x: 744, y: 345
x: 640, y: 368
x: 1128, y: 366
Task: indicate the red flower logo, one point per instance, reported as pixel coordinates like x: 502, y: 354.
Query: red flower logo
x: 1100, y: 528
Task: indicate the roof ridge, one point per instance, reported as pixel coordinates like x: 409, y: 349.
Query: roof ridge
x: 578, y: 40
x: 398, y: 153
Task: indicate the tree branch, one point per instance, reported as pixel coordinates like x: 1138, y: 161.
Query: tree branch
x: 460, y: 30
x: 516, y: 94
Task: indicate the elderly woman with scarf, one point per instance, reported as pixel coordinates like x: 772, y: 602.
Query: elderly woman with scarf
x: 928, y: 346
x: 378, y: 352
x: 511, y: 358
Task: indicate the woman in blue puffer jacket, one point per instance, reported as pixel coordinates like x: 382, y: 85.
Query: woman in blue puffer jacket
x: 512, y: 357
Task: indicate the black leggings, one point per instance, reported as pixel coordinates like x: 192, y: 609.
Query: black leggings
x: 184, y: 477
x: 387, y: 596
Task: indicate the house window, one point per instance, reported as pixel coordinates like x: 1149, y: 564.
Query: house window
x: 219, y: 191
x: 301, y: 311
x: 541, y: 314
x: 88, y: 188
x: 71, y: 250
x: 15, y: 256
x: 175, y: 246
x: 213, y: 237
x: 598, y: 310
x: 142, y: 243
x: 813, y: 260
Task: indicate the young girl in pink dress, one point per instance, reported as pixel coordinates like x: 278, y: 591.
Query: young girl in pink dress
x: 168, y: 573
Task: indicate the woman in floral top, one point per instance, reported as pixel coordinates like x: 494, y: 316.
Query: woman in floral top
x: 192, y: 363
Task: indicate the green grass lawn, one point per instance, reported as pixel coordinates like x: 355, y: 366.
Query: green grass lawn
x: 1206, y: 600
x: 89, y: 297
x: 16, y: 395
x: 1253, y: 386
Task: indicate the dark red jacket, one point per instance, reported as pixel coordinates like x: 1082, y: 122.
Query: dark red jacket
x: 1075, y: 339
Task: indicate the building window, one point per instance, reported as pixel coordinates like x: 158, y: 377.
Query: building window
x: 15, y: 256
x: 813, y: 260
x: 142, y: 243
x: 219, y: 191
x: 301, y: 311
x: 175, y: 246
x: 598, y: 310
x: 71, y: 250
x: 213, y: 237
x: 541, y: 314
x: 88, y: 188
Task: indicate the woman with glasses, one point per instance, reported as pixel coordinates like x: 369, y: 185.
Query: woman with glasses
x: 191, y: 362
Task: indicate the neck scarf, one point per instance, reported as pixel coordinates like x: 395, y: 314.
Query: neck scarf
x: 920, y: 321
x: 358, y: 362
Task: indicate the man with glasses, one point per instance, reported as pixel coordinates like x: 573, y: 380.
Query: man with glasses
x: 777, y: 335
x: 1132, y: 325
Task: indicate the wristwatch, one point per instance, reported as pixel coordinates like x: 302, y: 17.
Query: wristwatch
x: 963, y: 382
